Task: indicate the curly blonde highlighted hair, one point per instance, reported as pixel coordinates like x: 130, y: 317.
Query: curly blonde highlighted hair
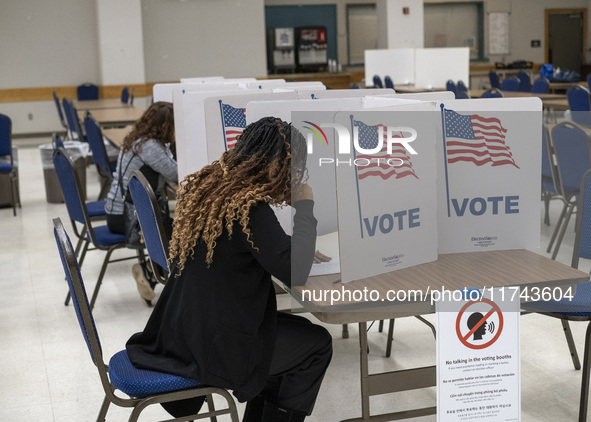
x: 268, y: 158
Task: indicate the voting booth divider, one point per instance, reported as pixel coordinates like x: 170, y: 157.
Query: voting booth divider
x: 449, y: 175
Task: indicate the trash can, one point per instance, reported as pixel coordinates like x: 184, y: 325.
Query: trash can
x: 5, y: 183
x: 53, y: 189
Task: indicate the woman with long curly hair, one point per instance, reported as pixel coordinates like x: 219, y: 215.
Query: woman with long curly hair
x: 216, y: 320
x: 146, y: 148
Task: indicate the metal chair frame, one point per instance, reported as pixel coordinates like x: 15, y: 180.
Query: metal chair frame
x: 138, y: 404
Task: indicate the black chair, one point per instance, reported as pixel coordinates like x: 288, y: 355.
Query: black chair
x: 143, y: 387
x: 7, y: 164
x: 577, y: 308
x: 100, y: 236
x: 87, y: 91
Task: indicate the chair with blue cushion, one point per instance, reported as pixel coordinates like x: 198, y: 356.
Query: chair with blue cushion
x: 451, y: 86
x: 377, y: 82
x: 100, y: 236
x: 579, y: 105
x: 87, y: 91
x: 550, y: 179
x: 96, y: 209
x: 541, y: 85
x: 7, y: 164
x: 492, y: 93
x: 105, y: 168
x: 150, y: 218
x: 577, y: 308
x: 142, y: 387
x: 589, y: 81
x: 75, y: 132
x: 524, y: 82
x: 388, y: 82
x: 494, y: 79
x: 572, y: 149
x: 461, y: 88
x: 125, y: 95
x: 60, y: 112
x: 510, y: 84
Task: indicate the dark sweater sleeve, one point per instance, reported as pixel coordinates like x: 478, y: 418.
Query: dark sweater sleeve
x: 287, y: 258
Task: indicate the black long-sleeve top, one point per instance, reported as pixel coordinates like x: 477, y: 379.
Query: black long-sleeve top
x: 217, y: 324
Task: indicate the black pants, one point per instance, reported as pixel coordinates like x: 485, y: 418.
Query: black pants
x: 302, y: 353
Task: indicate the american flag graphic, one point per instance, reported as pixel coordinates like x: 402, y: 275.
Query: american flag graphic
x: 368, y: 139
x: 234, y: 122
x: 476, y: 139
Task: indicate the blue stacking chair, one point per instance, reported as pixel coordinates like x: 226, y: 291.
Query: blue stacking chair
x: 143, y: 387
x: 74, y: 127
x: 550, y: 180
x: 388, y: 82
x: 572, y: 149
x: 87, y: 91
x: 510, y: 84
x: 125, y: 95
x: 451, y: 86
x: 150, y: 218
x: 540, y: 85
x: 105, y: 168
x: 377, y: 82
x: 7, y: 165
x: 524, y: 82
x: 579, y: 307
x: 494, y: 79
x: 60, y: 112
x: 492, y: 93
x: 589, y: 81
x: 579, y: 105
x: 96, y: 209
x: 100, y: 236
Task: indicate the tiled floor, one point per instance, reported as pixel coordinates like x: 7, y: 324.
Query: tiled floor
x: 46, y: 373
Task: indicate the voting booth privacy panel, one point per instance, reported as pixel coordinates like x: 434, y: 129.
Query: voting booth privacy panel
x: 489, y: 170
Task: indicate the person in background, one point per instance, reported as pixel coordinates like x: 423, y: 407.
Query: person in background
x: 216, y: 320
x: 146, y: 148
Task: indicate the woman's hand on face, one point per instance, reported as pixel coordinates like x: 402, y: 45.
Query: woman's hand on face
x: 303, y: 191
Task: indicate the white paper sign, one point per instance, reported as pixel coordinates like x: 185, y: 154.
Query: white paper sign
x: 489, y: 174
x: 478, y: 357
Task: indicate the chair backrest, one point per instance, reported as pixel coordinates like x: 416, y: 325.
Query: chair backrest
x: 87, y: 91
x: 461, y: 87
x: 131, y: 96
x: 451, y: 86
x: 6, y: 136
x: 462, y: 95
x: 150, y: 218
x: 377, y: 82
x: 388, y: 82
x: 60, y: 113
x: 71, y: 188
x: 550, y: 180
x: 72, y: 118
x: 582, y: 247
x: 540, y: 85
x: 125, y: 95
x: 510, y: 84
x: 57, y: 142
x: 579, y: 105
x: 524, y: 81
x: 78, y: 293
x: 492, y: 93
x: 494, y: 79
x: 94, y: 135
x: 572, y: 148
x: 589, y: 81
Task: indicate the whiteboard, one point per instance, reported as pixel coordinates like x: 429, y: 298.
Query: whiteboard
x: 498, y: 33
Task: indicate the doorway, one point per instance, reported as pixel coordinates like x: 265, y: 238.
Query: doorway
x: 565, y: 38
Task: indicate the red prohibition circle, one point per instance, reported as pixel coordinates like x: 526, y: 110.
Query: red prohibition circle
x: 465, y: 342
